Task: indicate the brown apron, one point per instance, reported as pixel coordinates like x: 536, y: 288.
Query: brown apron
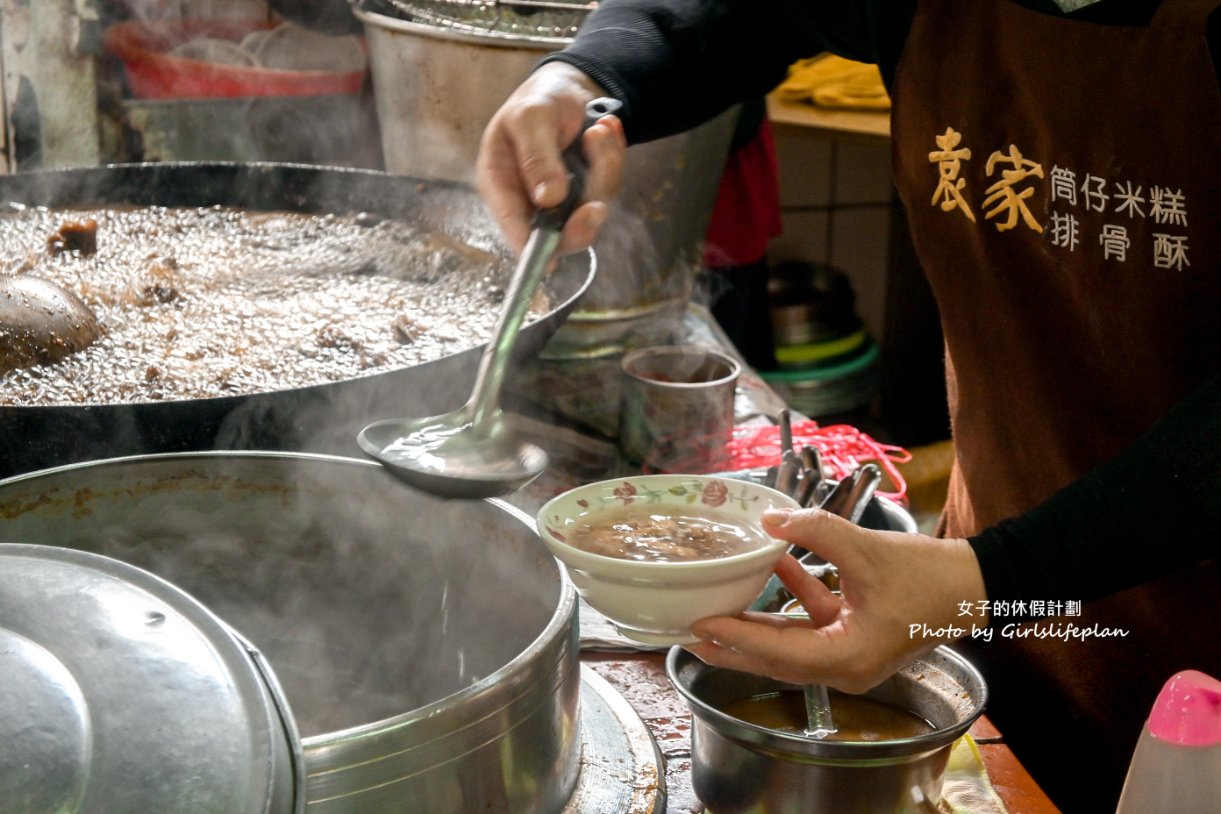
x: 1061, y: 179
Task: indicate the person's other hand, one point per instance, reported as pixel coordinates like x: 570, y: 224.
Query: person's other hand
x: 889, y: 581
x: 519, y: 168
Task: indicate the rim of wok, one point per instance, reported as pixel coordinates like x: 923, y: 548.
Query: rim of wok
x: 274, y: 186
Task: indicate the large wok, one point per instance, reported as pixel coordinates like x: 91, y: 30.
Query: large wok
x: 321, y: 418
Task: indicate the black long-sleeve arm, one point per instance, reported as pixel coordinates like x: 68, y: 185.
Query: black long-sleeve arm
x: 1153, y: 509
x: 678, y: 63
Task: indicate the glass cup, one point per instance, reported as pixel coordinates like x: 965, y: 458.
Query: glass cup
x: 676, y: 410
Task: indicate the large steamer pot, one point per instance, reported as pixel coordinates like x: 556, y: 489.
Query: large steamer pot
x: 322, y: 418
x: 426, y: 648
x: 436, y: 88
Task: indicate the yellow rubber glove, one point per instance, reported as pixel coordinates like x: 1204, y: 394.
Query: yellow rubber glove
x: 834, y: 82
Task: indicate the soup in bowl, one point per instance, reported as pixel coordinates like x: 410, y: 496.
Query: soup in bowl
x: 656, y: 553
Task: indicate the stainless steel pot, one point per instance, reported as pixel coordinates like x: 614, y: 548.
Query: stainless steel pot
x: 741, y: 767
x: 322, y: 418
x: 427, y: 648
x: 435, y: 90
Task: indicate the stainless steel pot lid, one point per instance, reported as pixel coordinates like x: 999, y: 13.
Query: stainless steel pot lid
x: 123, y: 693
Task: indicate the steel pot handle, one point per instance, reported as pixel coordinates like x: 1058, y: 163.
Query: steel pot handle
x: 279, y: 703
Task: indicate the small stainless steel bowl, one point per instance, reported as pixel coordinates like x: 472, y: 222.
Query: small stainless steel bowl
x: 741, y: 767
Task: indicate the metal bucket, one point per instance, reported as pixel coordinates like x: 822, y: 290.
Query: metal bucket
x: 435, y: 89
x: 741, y: 767
x: 428, y: 649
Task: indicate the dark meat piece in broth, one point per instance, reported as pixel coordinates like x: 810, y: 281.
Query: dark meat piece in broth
x: 74, y: 236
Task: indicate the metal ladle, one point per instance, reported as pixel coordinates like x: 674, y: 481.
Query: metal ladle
x: 819, y: 723
x: 472, y: 452
x: 858, y: 492
x: 848, y: 499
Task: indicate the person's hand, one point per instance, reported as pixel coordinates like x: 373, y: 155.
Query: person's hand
x: 519, y: 168
x: 889, y: 581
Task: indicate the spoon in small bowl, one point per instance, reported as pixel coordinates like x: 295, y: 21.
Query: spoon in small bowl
x: 472, y: 452
x: 819, y: 723
x: 848, y: 500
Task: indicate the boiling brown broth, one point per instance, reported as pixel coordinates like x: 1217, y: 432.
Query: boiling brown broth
x: 857, y: 717
x: 205, y: 302
x: 652, y: 535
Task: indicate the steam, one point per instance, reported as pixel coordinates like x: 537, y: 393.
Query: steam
x: 633, y: 271
x: 159, y: 10
x: 651, y: 245
x: 322, y: 417
x: 368, y: 599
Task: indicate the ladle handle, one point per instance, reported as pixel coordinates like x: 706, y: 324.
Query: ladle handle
x: 556, y: 216
x: 819, y: 723
x: 544, y: 239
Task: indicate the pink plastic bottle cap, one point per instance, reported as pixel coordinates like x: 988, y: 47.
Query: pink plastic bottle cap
x: 1188, y: 710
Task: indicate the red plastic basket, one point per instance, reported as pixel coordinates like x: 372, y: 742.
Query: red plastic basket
x: 153, y: 74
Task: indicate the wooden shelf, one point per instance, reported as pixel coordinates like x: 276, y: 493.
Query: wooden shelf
x: 857, y: 125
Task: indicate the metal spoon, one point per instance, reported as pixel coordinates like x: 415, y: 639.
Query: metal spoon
x: 41, y: 322
x: 819, y: 723
x: 811, y: 460
x: 851, y: 496
x: 472, y: 452
x: 810, y: 485
x: 857, y: 491
x: 849, y: 499
x: 782, y: 475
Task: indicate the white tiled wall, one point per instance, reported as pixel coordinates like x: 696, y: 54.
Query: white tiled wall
x: 835, y: 199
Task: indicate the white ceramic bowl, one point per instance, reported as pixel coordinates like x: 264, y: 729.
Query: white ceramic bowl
x: 656, y: 602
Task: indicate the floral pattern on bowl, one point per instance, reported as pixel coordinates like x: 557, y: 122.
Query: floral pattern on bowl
x: 711, y: 492
x: 656, y: 602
